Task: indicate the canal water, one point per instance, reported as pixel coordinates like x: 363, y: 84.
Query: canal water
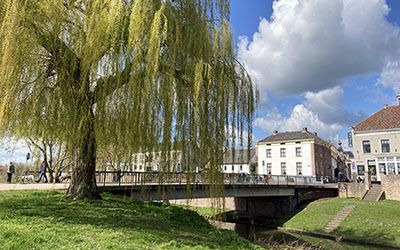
x: 276, y: 239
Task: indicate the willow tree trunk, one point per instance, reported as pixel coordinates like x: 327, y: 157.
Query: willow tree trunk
x: 83, y: 179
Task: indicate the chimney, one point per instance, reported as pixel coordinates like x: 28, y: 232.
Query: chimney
x: 315, y: 133
x: 398, y: 98
x: 385, y: 106
x: 305, y: 129
x: 275, y: 132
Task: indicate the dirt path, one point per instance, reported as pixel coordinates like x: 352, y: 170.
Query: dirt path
x: 33, y: 186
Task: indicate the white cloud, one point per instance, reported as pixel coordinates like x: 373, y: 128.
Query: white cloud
x: 321, y: 112
x: 312, y: 45
x: 299, y: 118
x: 390, y: 76
x: 328, y: 105
x: 12, y: 150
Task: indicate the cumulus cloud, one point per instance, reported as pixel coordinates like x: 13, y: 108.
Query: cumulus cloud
x: 299, y: 118
x: 328, y: 105
x: 321, y: 112
x: 390, y: 76
x: 312, y: 45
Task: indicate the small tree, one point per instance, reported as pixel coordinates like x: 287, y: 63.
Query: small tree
x: 131, y: 74
x: 53, y: 153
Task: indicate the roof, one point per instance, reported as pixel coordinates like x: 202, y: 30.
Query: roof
x: 293, y: 136
x: 385, y: 119
x: 240, y: 156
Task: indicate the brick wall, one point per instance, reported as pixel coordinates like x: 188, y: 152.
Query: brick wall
x: 323, y: 161
x: 391, y: 186
x: 351, y: 190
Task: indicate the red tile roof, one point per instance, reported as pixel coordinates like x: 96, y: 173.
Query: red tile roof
x: 385, y: 119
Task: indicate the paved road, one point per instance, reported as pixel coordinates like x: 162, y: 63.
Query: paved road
x: 33, y: 186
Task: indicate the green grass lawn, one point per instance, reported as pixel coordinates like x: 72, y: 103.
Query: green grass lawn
x: 371, y: 221
x: 45, y: 220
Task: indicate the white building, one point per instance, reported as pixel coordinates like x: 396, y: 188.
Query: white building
x: 150, y: 162
x: 238, y: 161
x: 300, y: 153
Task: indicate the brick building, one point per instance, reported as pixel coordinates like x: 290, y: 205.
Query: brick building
x: 376, y: 143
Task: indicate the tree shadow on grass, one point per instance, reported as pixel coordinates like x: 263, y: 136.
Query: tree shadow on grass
x: 167, y: 223
x: 368, y: 235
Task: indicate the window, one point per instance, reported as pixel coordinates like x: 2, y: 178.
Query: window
x: 269, y: 168
x: 135, y: 167
x: 283, y: 152
x: 366, y: 147
x: 382, y: 168
x: 360, y: 169
x: 268, y: 152
x: 241, y: 168
x: 263, y: 163
x: 391, y: 168
x: 385, y: 146
x: 233, y: 168
x: 283, y: 168
x: 298, y: 152
x: 225, y: 168
x: 299, y: 168
x: 398, y: 167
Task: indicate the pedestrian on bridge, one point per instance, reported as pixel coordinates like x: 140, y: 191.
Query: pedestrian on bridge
x: 42, y: 172
x: 10, y: 172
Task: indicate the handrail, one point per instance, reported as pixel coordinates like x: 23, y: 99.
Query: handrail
x: 137, y: 178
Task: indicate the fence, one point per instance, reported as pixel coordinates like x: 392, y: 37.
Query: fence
x: 185, y: 178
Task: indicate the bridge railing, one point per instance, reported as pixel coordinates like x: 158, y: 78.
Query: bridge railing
x: 295, y: 180
x: 183, y: 178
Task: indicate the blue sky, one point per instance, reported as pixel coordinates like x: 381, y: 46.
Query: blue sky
x: 336, y: 61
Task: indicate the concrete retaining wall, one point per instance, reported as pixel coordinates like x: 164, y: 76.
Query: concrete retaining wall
x: 207, y: 202
x: 391, y: 186
x: 351, y: 190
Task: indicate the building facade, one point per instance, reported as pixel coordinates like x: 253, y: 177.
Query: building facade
x: 238, y: 161
x: 376, y: 144
x: 299, y: 153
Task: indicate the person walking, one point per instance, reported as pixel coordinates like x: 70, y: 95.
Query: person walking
x: 42, y: 171
x: 10, y: 172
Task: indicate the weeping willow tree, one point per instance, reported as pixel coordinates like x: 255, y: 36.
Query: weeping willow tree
x: 130, y: 75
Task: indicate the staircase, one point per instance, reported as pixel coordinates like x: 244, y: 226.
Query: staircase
x: 341, y: 216
x: 374, y: 194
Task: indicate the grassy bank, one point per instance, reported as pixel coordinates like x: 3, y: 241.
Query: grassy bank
x: 45, y: 220
x: 371, y: 221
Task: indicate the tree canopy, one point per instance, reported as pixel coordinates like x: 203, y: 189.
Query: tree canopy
x: 132, y: 75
